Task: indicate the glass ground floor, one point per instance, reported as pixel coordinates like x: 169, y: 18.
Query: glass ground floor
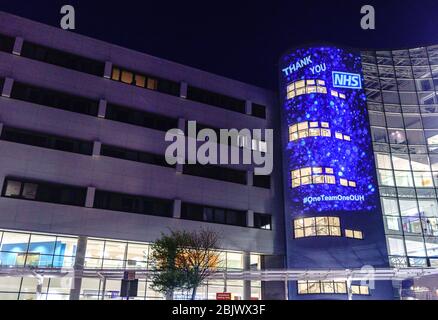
x: 27, y: 249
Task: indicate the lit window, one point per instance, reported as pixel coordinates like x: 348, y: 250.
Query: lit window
x: 330, y: 179
x: 334, y: 93
x: 326, y: 133
x: 140, y: 81
x: 310, y: 82
x: 299, y: 84
x: 127, y: 77
x: 351, y: 184
x: 314, y: 132
x: 311, y: 89
x: 338, y: 135
x: 347, y: 138
x: 324, y: 124
x: 358, y: 289
x: 343, y: 182
x: 313, y: 124
x: 152, y: 84
x: 317, y: 170
x: 321, y: 82
x: 329, y: 170
x: 116, y: 74
x: 355, y: 234
x: 342, y: 96
x: 322, y: 287
x: 318, y: 179
x: 317, y: 226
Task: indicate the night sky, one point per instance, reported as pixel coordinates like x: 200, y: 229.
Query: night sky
x: 239, y: 39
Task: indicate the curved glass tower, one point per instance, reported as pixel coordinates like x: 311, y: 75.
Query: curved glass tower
x: 332, y: 206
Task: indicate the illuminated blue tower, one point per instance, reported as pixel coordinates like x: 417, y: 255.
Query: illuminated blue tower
x: 332, y: 206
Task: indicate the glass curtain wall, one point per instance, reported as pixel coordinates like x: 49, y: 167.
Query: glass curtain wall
x: 401, y: 88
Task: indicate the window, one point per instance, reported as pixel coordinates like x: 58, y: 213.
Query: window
x: 44, y: 140
x: 198, y: 212
x: 134, y: 155
x: 44, y: 192
x: 215, y: 172
x: 54, y: 99
x: 316, y: 175
x: 309, y: 86
x: 317, y: 226
x: 261, y: 181
x: 140, y: 118
x: 262, y: 221
x: 258, y: 111
x: 145, y: 81
x: 361, y: 290
x: 6, y: 43
x: 132, y: 203
x: 215, y: 99
x: 62, y: 59
x: 355, y: 234
x: 324, y: 287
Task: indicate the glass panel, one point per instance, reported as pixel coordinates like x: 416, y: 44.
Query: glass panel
x: 94, y: 249
x: 396, y: 246
x: 234, y: 260
x: 114, y: 250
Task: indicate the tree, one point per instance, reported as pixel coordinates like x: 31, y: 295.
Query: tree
x: 199, y: 257
x: 183, y: 260
x: 166, y: 277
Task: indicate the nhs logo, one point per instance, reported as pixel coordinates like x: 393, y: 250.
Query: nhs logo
x: 346, y: 80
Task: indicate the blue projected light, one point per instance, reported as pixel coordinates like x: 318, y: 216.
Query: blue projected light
x: 328, y: 147
x: 328, y: 163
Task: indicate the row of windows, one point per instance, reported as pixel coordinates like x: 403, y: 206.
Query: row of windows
x: 403, y: 84
x: 355, y: 234
x: 313, y: 129
x: 46, y: 141
x: 216, y: 99
x: 134, y: 155
x: 6, y: 43
x: 62, y: 59
x: 408, y: 120
x: 309, y: 86
x: 198, y: 212
x: 216, y: 172
x: 132, y: 203
x: 406, y: 98
x: 330, y: 287
x: 317, y: 175
x: 49, y: 141
x: 139, y: 118
x: 94, y: 67
x: 44, y: 192
x: 317, y: 226
x: 430, y: 52
x: 72, y: 195
x: 241, y: 140
x: 54, y: 99
x: 145, y: 81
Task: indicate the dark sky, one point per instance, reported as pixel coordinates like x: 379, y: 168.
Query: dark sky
x: 239, y: 39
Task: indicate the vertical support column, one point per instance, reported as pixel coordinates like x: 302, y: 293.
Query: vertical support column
x: 182, y: 127
x: 102, y: 108
x: 246, y: 283
x: 249, y: 178
x: 250, y: 218
x: 248, y: 107
x: 349, y: 291
x: 183, y: 90
x: 89, y: 200
x: 7, y: 87
x: 18, y: 45
x: 177, y: 208
x: 108, y: 69
x: 286, y: 289
x: 1, y: 128
x: 76, y: 284
x: 97, y: 145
